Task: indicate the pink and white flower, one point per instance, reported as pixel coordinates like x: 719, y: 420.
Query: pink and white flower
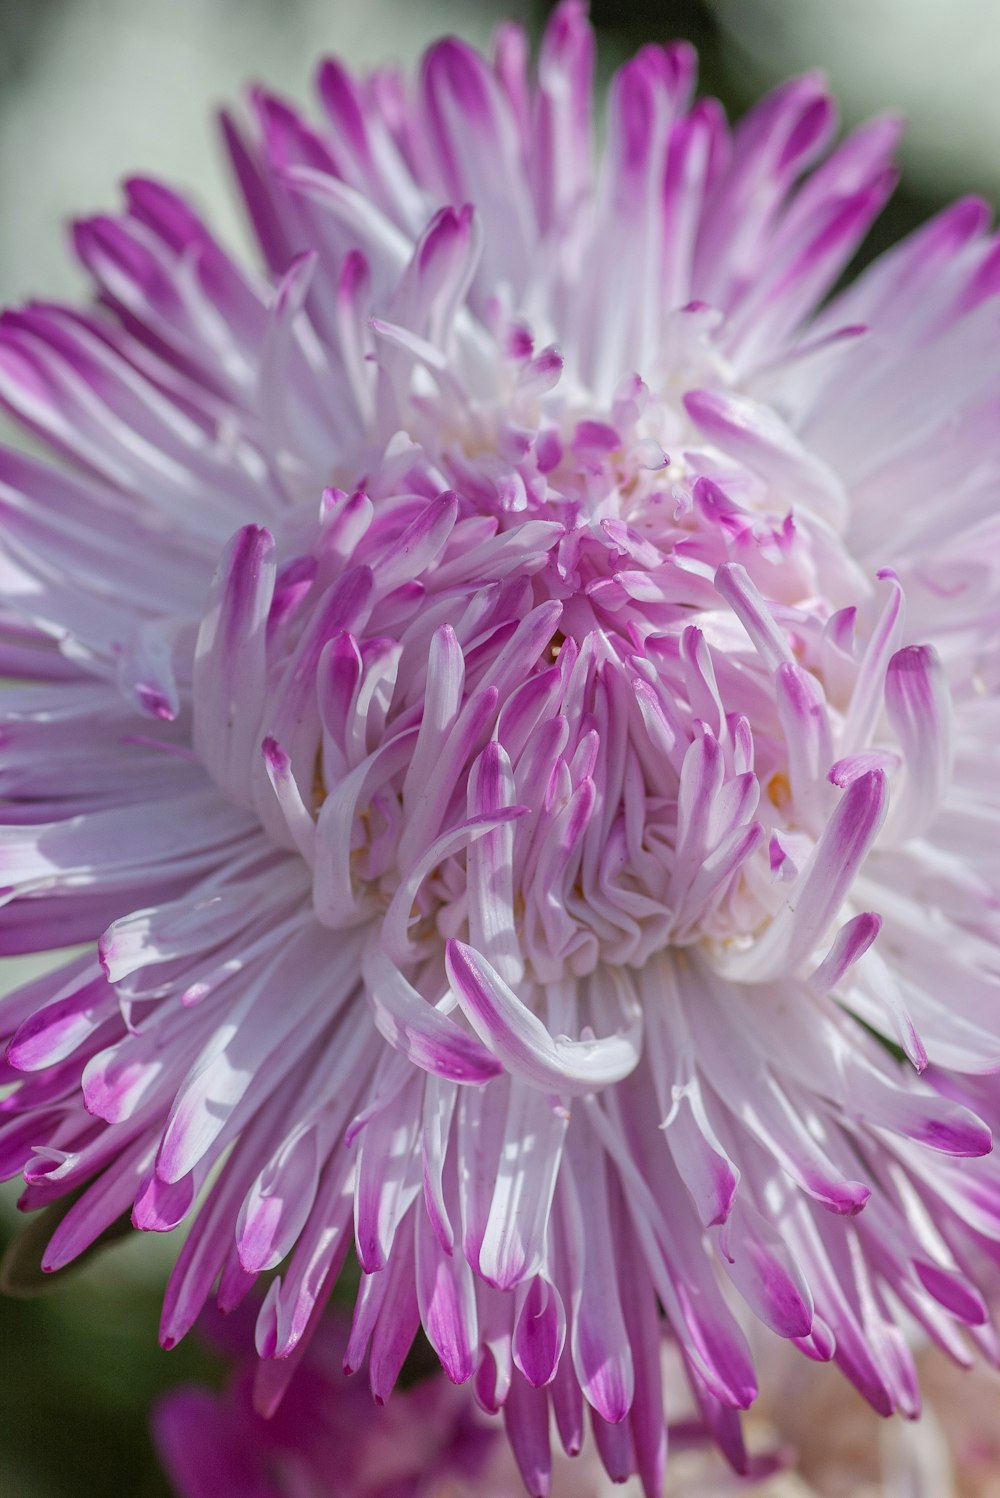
x: 512, y: 866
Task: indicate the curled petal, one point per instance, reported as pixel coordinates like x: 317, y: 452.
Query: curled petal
x: 418, y: 1029
x: 523, y: 1043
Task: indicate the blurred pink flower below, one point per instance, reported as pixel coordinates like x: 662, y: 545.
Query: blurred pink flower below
x: 815, y: 1437
x: 327, y: 1439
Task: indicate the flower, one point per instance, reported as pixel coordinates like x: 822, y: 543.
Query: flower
x: 328, y: 1440
x: 560, y: 856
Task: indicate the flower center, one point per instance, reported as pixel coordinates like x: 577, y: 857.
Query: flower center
x: 526, y: 683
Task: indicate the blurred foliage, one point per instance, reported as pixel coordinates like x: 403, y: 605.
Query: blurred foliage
x: 81, y: 1370
x: 23, y: 29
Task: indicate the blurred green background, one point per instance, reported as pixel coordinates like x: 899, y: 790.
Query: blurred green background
x: 93, y: 89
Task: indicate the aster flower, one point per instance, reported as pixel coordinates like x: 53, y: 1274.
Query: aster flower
x: 556, y: 857
x: 328, y: 1439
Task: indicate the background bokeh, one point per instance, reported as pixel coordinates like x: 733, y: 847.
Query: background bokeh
x: 91, y: 90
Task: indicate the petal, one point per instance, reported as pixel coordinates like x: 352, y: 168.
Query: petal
x: 229, y: 675
x: 419, y: 1030
x: 919, y: 708
x: 522, y: 1042
x: 821, y: 887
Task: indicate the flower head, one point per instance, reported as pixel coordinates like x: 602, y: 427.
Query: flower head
x: 328, y: 1440
x: 559, y: 860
